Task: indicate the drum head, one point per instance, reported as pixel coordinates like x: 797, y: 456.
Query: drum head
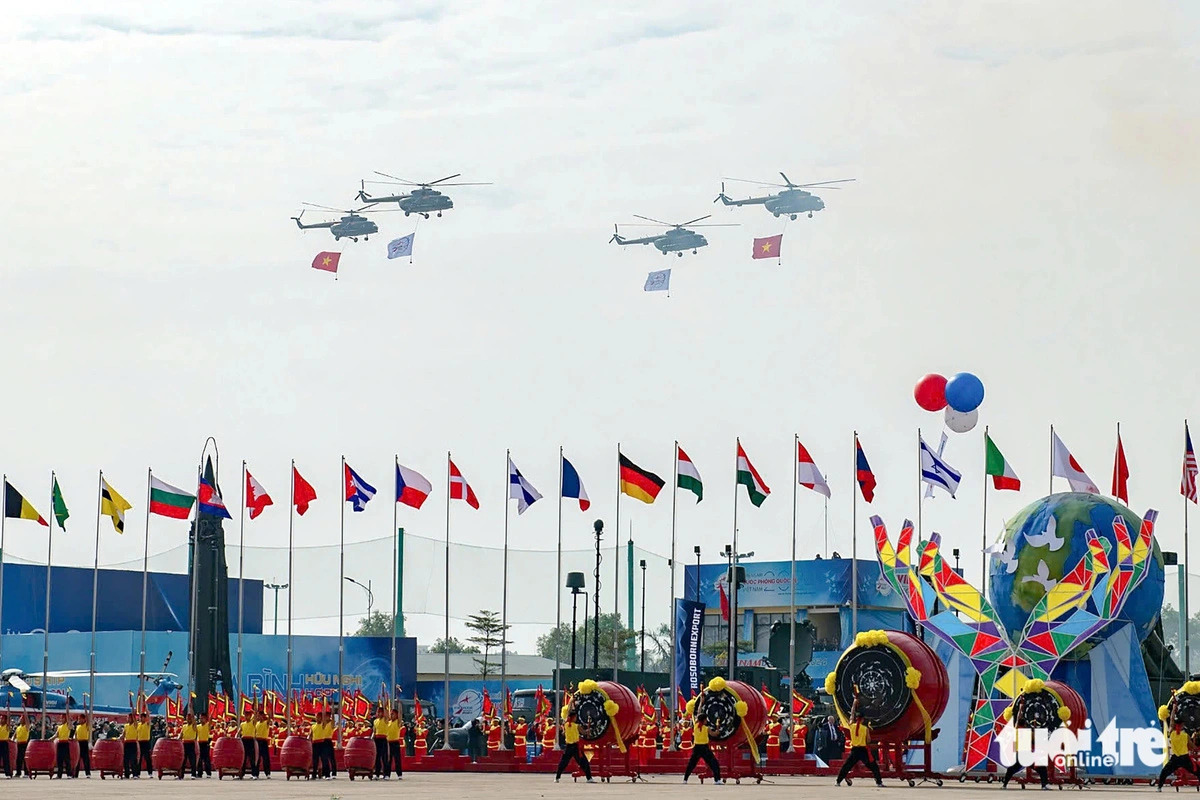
x: 721, y: 710
x: 1039, y: 710
x: 1187, y: 711
x: 593, y: 722
x: 878, y: 672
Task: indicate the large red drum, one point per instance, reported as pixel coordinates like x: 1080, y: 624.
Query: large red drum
x: 108, y: 757
x: 359, y: 757
x: 720, y: 702
x: 227, y: 756
x: 596, y: 726
x: 296, y: 756
x: 167, y: 757
x: 892, y: 671
x: 40, y: 756
x: 1042, y: 707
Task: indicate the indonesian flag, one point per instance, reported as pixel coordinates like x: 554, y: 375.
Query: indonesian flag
x: 411, y: 487
x: 807, y: 474
x: 1065, y: 466
x: 460, y: 489
x: 257, y: 498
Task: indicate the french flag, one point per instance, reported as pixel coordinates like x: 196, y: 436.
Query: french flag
x: 411, y: 487
x: 572, y: 486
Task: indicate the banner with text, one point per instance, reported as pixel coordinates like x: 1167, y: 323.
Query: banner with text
x: 689, y: 627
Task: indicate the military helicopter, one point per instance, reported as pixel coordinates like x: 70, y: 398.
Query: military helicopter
x: 351, y: 226
x: 421, y: 200
x: 15, y: 687
x: 676, y: 239
x: 792, y: 201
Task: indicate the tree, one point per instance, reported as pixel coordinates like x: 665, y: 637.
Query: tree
x: 1170, y: 630
x: 658, y: 649
x: 610, y: 626
x: 489, y: 635
x: 378, y: 624
x: 453, y: 646
x: 720, y: 650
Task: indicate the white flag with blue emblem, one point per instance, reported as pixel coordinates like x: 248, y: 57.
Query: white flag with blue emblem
x: 936, y: 472
x: 520, y: 489
x: 401, y: 247
x: 658, y: 281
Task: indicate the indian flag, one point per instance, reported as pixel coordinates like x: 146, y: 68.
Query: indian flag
x: 689, y: 476
x: 748, y: 476
x: 169, y: 501
x: 1003, y: 476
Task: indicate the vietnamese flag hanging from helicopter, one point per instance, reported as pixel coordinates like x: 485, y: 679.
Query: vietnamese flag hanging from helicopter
x: 767, y: 247
x: 327, y: 261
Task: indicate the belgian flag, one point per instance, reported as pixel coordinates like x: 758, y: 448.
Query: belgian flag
x: 17, y: 507
x: 639, y: 483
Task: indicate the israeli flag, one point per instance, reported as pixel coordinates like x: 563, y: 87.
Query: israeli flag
x: 936, y: 472
x: 658, y: 281
x: 520, y: 489
x: 401, y: 247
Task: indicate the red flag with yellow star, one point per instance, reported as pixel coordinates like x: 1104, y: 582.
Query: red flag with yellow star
x: 767, y: 247
x: 327, y: 261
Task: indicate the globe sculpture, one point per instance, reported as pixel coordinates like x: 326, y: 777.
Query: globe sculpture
x: 1048, y: 539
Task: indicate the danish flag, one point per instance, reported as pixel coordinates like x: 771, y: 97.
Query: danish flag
x: 460, y: 489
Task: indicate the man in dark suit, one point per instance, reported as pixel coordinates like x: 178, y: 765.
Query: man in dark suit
x: 829, y: 741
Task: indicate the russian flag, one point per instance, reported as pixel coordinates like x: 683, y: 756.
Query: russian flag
x: 411, y: 487
x: 572, y: 486
x: 866, y: 478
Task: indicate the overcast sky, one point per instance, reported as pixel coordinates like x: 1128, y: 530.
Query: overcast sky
x: 1024, y: 209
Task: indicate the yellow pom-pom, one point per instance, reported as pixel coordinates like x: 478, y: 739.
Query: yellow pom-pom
x: 741, y: 708
x: 1035, y: 685
x: 588, y: 686
x: 611, y: 708
x: 690, y: 708
x: 1064, y: 713
x: 1163, y: 713
x: 830, y: 683
x: 1191, y: 687
x: 717, y: 684
x: 912, y: 677
x: 863, y: 639
x: 565, y: 712
x: 1008, y: 712
x: 881, y: 637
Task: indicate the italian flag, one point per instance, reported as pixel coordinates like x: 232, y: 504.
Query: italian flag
x: 1003, y: 476
x: 168, y: 501
x: 689, y: 476
x: 748, y: 476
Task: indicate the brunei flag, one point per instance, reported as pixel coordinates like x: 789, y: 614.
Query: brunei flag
x: 17, y: 507
x: 114, y: 506
x: 639, y: 483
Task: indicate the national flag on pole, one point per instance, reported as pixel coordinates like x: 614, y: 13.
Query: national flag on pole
x: 638, y: 483
x: 658, y: 281
x: 327, y: 261
x: 169, y: 501
x: 403, y: 246
x: 801, y: 705
x: 520, y: 489
x: 1187, y: 486
x: 302, y: 492
x: 862, y: 472
x: 488, y: 710
x: 1120, y: 480
x: 210, y: 500
x: 768, y: 246
x: 807, y: 474
x: 411, y: 487
x: 358, y: 491
x: 17, y: 507
x: 748, y: 476
x: 936, y: 472
x: 60, y: 506
x: 1065, y: 466
x: 460, y: 489
x: 113, y: 506
x: 572, y: 486
x: 689, y: 476
x: 1003, y: 475
x: 257, y: 498
x: 724, y: 601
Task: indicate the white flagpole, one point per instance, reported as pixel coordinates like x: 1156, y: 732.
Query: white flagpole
x: 339, y: 686
x: 616, y: 572
x: 290, y: 582
x: 504, y: 596
x: 983, y: 540
x: 95, y: 589
x: 733, y: 582
x: 3, y: 514
x: 556, y: 706
x: 241, y: 579
x: 854, y: 542
x: 674, y: 633
x: 1183, y: 612
x: 46, y: 623
x: 920, y: 492
x: 792, y: 593
x: 145, y: 584
x: 446, y: 640
x: 395, y: 567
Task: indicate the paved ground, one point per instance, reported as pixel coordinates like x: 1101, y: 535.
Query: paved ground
x: 445, y: 786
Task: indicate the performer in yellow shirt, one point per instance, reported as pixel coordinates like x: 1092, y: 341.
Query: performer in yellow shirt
x: 4, y: 739
x: 83, y: 735
x: 249, y: 749
x: 701, y: 750
x: 188, y: 734
x: 62, y: 748
x: 21, y: 737
x: 395, y: 735
x: 129, y: 736
x: 262, y: 734
x: 143, y: 741
x: 1177, y: 752
x: 570, y: 730
x: 860, y: 737
x: 204, y: 739
x: 379, y: 729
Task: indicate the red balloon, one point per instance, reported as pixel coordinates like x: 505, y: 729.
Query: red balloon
x: 930, y: 392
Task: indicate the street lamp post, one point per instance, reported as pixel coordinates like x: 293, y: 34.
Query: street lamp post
x: 276, y: 587
x: 370, y: 595
x: 598, y: 527
x: 643, y: 565
x: 575, y: 582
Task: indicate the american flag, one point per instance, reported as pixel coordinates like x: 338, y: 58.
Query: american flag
x: 1187, y: 486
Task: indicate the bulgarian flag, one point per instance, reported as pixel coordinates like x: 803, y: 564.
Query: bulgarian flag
x: 748, y: 476
x: 1003, y: 476
x: 689, y: 476
x: 169, y: 501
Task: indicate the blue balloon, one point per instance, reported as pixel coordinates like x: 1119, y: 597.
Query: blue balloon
x: 964, y: 392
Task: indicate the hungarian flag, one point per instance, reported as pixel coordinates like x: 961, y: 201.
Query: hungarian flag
x: 1120, y: 479
x: 257, y: 498
x: 302, y: 492
x: 748, y: 476
x: 862, y: 472
x: 1065, y: 466
x: 460, y: 489
x: 168, y: 501
x: 689, y: 476
x: 17, y: 507
x: 807, y: 474
x: 768, y: 246
x: 327, y: 261
x: 724, y: 601
x: 1003, y: 475
x: 638, y: 483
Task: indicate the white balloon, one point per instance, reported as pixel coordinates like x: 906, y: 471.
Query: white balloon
x: 959, y: 422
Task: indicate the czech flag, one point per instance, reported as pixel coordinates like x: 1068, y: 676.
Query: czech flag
x: 572, y: 486
x: 866, y: 478
x: 412, y: 488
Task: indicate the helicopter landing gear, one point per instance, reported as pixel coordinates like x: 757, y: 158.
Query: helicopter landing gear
x: 679, y: 254
x: 794, y: 217
x: 407, y: 213
x: 694, y: 252
x: 337, y: 238
x: 439, y: 213
x: 426, y: 216
x: 366, y: 238
x: 809, y: 215
x: 354, y: 238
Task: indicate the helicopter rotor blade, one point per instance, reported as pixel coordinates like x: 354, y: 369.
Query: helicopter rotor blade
x: 826, y: 183
x: 689, y: 222
x: 655, y: 221
x: 439, y: 180
x: 787, y: 180
x: 756, y: 183
x: 393, y: 177
x: 718, y: 225
x: 488, y: 183
x: 326, y: 208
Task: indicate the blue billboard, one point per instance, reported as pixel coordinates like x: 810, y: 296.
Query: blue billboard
x: 820, y: 582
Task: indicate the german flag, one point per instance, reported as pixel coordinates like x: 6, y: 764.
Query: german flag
x: 638, y: 483
x: 17, y: 507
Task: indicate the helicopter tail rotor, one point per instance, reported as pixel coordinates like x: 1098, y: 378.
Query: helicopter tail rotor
x: 297, y: 219
x: 362, y: 195
x: 722, y: 197
x: 616, y: 237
